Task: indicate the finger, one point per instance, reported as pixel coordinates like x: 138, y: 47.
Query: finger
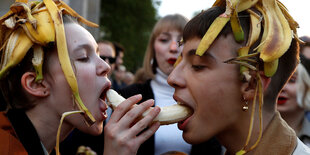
x: 136, y: 112
x: 144, y: 122
x: 124, y: 107
x: 145, y: 135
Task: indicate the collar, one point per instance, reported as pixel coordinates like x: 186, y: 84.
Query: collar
x: 305, y: 129
x: 277, y: 138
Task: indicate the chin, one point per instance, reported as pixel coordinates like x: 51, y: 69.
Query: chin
x: 194, y: 138
x: 94, y: 130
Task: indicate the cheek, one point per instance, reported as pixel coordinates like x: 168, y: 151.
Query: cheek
x: 160, y: 50
x: 86, y: 77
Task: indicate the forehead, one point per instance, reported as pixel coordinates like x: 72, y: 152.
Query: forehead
x: 105, y: 49
x: 223, y: 48
x: 77, y: 36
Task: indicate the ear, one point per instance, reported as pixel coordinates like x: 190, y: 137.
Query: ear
x: 39, y: 89
x: 248, y: 88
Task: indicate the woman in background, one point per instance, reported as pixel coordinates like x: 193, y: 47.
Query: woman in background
x: 161, y: 54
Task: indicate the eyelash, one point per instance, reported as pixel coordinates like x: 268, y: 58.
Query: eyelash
x: 163, y: 40
x: 198, y: 67
x: 84, y: 59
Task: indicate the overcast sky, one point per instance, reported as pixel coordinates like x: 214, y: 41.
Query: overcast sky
x: 299, y: 9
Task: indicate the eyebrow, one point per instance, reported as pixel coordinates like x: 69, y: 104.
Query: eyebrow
x: 206, y: 54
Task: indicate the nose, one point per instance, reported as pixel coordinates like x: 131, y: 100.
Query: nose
x: 173, y: 46
x: 175, y: 78
x: 103, y: 68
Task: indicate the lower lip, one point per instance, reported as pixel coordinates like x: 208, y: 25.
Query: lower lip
x: 281, y: 102
x: 182, y: 124
x: 103, y: 110
x: 171, y: 61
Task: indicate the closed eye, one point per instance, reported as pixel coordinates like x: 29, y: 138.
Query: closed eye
x: 84, y: 59
x: 198, y: 67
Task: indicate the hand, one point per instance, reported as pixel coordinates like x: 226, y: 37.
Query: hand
x: 125, y: 132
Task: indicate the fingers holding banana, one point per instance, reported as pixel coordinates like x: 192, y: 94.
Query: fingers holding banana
x: 127, y: 130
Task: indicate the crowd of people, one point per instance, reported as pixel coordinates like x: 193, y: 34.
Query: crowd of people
x: 238, y: 108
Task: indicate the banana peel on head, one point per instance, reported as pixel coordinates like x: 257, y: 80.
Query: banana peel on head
x: 64, y: 58
x: 34, y: 25
x: 212, y: 33
x: 17, y: 47
x: 279, y: 34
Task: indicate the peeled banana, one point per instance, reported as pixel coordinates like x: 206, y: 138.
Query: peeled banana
x: 168, y: 115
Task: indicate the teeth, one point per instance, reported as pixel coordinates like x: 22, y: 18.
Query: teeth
x: 168, y: 115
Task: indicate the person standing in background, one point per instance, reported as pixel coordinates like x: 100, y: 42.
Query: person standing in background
x: 119, y: 49
x: 305, y: 48
x: 108, y: 54
x: 161, y: 54
x: 294, y: 101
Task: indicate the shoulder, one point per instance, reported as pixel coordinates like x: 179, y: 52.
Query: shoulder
x: 8, y: 140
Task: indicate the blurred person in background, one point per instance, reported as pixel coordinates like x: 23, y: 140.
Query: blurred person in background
x: 118, y: 78
x: 161, y: 54
x: 140, y: 76
x: 108, y: 54
x: 119, y: 49
x: 305, y: 48
x: 128, y: 78
x: 294, y: 101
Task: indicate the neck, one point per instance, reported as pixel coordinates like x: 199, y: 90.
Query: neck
x: 294, y: 119
x: 234, y: 138
x: 46, y: 123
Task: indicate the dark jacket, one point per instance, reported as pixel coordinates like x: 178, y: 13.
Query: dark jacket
x: 211, y: 147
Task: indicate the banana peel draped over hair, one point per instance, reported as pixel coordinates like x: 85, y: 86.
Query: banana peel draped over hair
x: 278, y: 28
x: 36, y: 25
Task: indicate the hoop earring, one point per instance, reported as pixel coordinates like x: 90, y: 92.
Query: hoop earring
x: 246, y: 106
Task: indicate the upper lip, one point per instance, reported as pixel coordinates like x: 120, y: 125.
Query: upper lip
x: 104, y: 90
x: 282, y: 97
x: 180, y: 101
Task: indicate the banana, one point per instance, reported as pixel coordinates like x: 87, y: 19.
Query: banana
x: 278, y: 33
x: 19, y: 7
x: 44, y: 33
x: 230, y: 14
x: 64, y: 58
x: 37, y: 62
x: 168, y: 115
x: 215, y: 28
x: 15, y: 50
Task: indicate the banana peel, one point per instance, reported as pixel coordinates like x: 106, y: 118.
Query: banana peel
x: 15, y: 50
x: 278, y: 33
x: 37, y: 62
x: 64, y: 58
x: 212, y: 33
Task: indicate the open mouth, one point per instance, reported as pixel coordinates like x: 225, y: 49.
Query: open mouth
x: 172, y: 61
x: 103, y: 95
x: 281, y: 100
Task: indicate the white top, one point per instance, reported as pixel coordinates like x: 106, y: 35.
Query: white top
x: 301, y: 148
x: 167, y: 137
